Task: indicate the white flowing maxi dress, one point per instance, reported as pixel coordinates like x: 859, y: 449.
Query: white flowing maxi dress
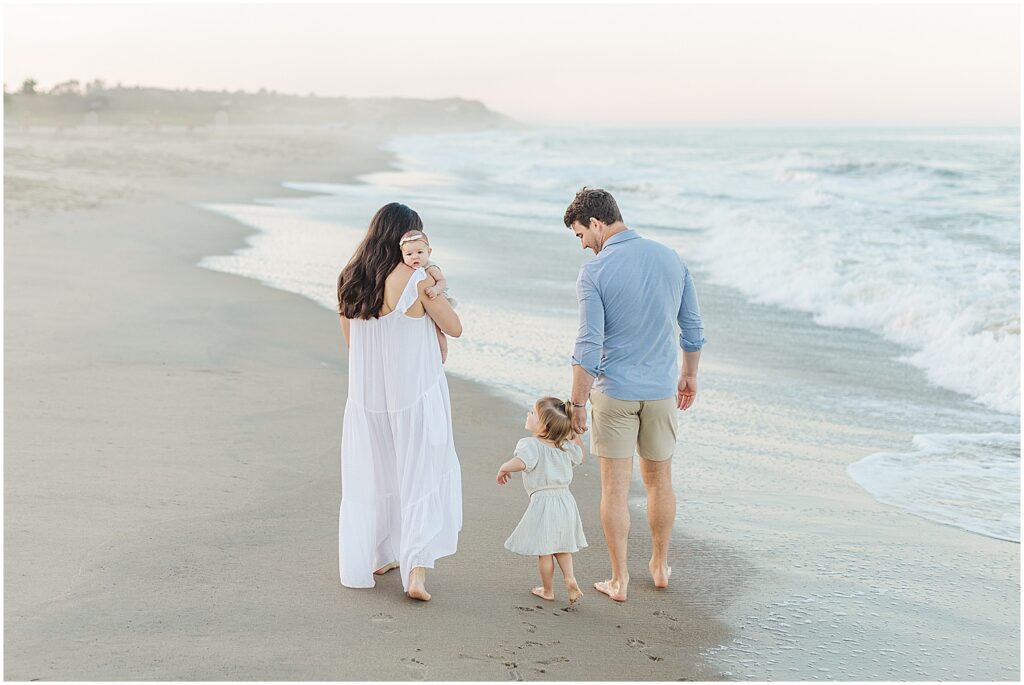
x: 401, y: 484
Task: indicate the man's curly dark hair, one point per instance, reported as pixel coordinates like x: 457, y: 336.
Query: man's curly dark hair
x: 592, y: 202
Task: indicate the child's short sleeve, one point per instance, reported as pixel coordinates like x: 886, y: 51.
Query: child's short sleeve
x: 526, y: 449
x: 575, y: 453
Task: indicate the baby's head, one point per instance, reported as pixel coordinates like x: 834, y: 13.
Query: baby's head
x: 550, y: 420
x: 415, y: 248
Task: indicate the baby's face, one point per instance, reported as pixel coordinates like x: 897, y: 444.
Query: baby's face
x: 415, y: 253
x: 532, y: 421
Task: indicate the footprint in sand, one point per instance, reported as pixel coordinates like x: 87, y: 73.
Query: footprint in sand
x: 641, y: 647
x: 513, y: 674
x: 530, y: 628
x: 554, y: 660
x: 385, y: 622
x: 417, y: 669
x: 524, y: 608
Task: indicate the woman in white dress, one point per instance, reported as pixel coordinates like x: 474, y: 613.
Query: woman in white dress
x: 401, y: 501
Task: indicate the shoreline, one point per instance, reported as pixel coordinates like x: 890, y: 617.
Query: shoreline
x: 853, y: 590
x: 174, y: 539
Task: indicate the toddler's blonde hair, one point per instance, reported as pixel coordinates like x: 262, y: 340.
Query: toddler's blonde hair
x: 555, y: 418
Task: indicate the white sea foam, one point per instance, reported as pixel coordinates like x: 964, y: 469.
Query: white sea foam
x: 925, y: 253
x: 953, y: 305
x: 971, y: 481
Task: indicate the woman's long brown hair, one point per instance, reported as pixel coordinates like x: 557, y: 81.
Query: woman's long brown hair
x: 361, y: 282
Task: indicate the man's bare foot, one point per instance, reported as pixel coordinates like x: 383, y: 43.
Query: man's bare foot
x: 417, y: 590
x: 616, y: 591
x: 542, y: 593
x: 387, y: 567
x: 660, y: 574
x: 575, y: 594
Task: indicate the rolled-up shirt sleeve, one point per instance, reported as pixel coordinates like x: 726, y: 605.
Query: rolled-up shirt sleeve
x: 691, y: 329
x: 590, y: 336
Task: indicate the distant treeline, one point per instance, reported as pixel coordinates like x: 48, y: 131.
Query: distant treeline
x: 72, y: 104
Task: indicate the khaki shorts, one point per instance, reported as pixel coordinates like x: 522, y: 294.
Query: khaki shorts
x: 622, y: 427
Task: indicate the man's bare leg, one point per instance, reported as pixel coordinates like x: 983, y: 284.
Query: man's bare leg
x: 615, y: 477
x: 661, y: 514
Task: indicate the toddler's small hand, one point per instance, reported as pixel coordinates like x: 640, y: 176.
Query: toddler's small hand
x: 503, y: 477
x: 431, y: 292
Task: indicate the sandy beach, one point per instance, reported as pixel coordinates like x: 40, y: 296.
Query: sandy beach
x: 847, y: 481
x: 172, y: 455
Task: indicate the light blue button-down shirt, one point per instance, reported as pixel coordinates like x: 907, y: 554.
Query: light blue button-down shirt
x: 632, y: 296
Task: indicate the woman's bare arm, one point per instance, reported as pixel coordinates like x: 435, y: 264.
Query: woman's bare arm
x: 344, y: 330
x: 440, y: 310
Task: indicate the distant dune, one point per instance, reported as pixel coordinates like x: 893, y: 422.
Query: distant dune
x: 69, y: 105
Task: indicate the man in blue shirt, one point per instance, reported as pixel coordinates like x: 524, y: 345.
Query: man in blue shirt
x: 632, y: 297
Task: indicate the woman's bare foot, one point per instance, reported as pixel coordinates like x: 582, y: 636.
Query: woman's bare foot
x: 417, y: 578
x: 660, y: 574
x: 542, y: 593
x: 387, y: 567
x: 575, y: 594
x: 615, y: 590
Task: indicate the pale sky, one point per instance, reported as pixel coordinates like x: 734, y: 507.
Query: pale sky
x: 582, y: 64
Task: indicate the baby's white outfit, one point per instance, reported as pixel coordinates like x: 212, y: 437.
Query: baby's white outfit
x: 552, y: 522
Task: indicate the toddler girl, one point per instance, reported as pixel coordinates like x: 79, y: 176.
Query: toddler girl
x: 551, y: 528
x: 416, y: 253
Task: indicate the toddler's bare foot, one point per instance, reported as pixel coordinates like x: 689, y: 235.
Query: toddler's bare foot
x: 542, y: 593
x: 387, y: 567
x: 575, y: 594
x: 615, y: 590
x: 660, y: 574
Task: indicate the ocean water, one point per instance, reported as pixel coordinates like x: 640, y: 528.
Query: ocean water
x: 911, y: 236
x: 860, y: 295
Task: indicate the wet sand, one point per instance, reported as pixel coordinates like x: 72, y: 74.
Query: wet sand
x: 172, y: 456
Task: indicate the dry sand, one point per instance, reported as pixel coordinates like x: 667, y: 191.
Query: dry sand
x: 171, y: 473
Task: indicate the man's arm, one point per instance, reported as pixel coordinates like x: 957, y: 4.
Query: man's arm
x: 582, y: 382
x: 691, y: 340
x: 586, y: 357
x: 687, y: 388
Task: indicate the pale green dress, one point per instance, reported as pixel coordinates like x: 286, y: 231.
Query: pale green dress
x: 552, y: 522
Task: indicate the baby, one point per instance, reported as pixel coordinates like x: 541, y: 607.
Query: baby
x: 416, y: 254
